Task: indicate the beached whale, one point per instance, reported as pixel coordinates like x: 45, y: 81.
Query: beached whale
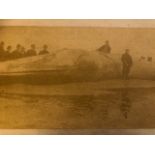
x: 74, y: 65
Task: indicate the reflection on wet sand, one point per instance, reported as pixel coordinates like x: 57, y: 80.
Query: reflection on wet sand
x: 110, y: 108
x: 125, y: 102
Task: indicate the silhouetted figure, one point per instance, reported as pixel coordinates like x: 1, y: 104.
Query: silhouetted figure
x: 127, y: 64
x: 44, y: 51
x: 8, y: 52
x: 149, y: 59
x: 31, y: 51
x: 2, y: 51
x: 105, y: 48
x: 17, y: 52
x: 126, y: 103
x: 2, y: 46
x: 142, y: 58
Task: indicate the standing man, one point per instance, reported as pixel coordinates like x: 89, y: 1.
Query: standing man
x: 2, y: 46
x: 2, y: 51
x: 127, y: 64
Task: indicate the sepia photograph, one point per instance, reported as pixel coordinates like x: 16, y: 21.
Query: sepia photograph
x: 77, y: 76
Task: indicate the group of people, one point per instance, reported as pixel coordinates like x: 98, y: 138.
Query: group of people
x: 20, y: 52
x: 6, y: 53
x: 126, y: 59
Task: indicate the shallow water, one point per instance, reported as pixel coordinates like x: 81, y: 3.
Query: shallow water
x: 120, y: 108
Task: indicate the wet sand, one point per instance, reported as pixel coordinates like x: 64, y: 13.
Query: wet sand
x: 102, y: 105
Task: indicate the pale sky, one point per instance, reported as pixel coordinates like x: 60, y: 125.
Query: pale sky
x: 80, y: 22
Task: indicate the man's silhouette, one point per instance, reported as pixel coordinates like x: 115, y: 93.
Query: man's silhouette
x: 17, y: 52
x: 127, y: 64
x: 8, y: 52
x: 105, y: 48
x: 31, y: 51
x: 44, y: 51
x: 2, y: 51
